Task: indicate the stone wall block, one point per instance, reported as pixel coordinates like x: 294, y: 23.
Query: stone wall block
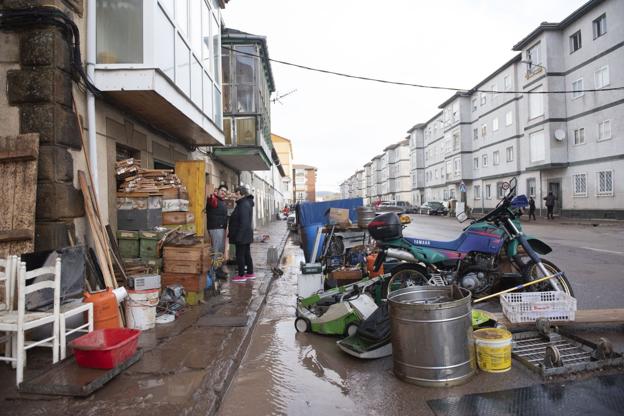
x: 57, y: 201
x: 54, y: 123
x: 55, y: 165
x: 53, y: 235
x: 39, y: 86
x: 45, y: 47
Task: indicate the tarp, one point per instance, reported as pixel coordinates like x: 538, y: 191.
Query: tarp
x: 312, y: 215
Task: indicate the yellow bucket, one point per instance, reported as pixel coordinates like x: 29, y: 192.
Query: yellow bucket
x: 493, y: 348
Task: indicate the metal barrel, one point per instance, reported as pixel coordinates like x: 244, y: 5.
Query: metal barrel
x: 364, y: 216
x: 432, y: 335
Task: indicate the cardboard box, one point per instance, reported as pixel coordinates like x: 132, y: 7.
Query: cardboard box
x: 338, y: 216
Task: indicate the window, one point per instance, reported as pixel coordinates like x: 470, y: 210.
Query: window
x: 488, y: 191
x: 495, y: 124
x: 437, y: 174
x: 601, y: 77
x: 531, y: 187
x: 474, y: 105
x: 508, y: 118
x: 475, y: 162
x: 536, y: 103
x: 534, y: 58
x: 484, y: 130
x: 455, y: 111
x: 507, y: 82
x: 475, y: 134
x: 494, y: 89
x: 579, y: 136
x: 605, y: 182
x: 119, y: 46
x: 537, y: 146
x: 500, y: 192
x: 604, y: 130
x: 483, y: 98
x: 600, y: 26
x: 579, y: 184
x: 575, y: 42
x: 452, y: 193
x: 485, y: 161
x: 477, y: 192
x: 455, y: 142
x: 577, y: 88
x: 509, y: 152
x: 496, y: 158
x: 449, y: 169
x: 457, y: 166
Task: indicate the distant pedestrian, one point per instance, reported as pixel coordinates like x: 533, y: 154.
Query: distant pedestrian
x: 241, y: 234
x: 550, y: 205
x: 532, y: 209
x: 216, y: 223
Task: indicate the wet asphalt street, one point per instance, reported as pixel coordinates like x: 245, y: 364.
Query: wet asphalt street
x: 285, y: 372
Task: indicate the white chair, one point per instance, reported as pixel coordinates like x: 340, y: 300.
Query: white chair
x: 20, y: 321
x: 7, y: 275
x: 67, y: 311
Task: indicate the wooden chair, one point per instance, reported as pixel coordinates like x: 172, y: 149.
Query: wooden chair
x: 7, y: 275
x: 20, y: 321
x: 67, y: 311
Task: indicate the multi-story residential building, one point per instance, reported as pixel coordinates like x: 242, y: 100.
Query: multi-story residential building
x: 551, y: 117
x: 399, y: 185
x: 360, y: 184
x: 368, y: 174
x: 284, y: 150
x: 305, y: 183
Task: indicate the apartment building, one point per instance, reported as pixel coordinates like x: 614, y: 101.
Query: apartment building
x: 551, y: 117
x: 305, y: 183
x: 398, y: 167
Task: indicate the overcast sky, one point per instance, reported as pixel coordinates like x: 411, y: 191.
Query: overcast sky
x: 339, y: 124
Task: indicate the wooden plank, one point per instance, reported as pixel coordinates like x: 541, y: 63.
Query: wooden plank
x: 18, y: 178
x: 21, y: 155
x: 192, y: 173
x: 16, y: 235
x: 585, y: 317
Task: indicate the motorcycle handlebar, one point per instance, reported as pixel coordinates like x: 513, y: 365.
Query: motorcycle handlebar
x: 503, y: 205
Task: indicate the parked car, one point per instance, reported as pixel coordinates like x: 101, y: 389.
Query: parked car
x: 433, y: 208
x: 390, y: 206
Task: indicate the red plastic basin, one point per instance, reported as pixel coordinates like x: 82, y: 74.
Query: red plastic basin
x: 105, y: 348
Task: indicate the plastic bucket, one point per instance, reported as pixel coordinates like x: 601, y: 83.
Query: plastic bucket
x: 141, y: 309
x: 105, y: 309
x: 493, y: 348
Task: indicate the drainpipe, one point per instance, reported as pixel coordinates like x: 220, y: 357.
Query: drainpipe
x: 91, y: 57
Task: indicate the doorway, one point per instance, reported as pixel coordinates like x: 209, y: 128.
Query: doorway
x: 554, y: 186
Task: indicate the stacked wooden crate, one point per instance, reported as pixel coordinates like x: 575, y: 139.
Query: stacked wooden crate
x: 187, y: 266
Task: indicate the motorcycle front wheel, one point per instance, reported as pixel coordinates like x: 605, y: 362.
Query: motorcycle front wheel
x: 405, y: 275
x: 561, y: 282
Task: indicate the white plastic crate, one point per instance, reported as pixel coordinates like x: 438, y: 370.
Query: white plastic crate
x: 530, y: 306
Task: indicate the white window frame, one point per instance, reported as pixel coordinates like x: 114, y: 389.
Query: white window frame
x: 495, y: 124
x: 509, y: 154
x: 488, y: 191
x: 476, y: 191
x: 536, y: 102
x: 578, y: 92
x: 483, y: 99
x: 534, y: 59
x: 475, y: 133
x: 474, y: 104
x: 600, y: 80
x: 533, y: 158
x: 603, y: 123
x: 496, y: 158
x: 579, y: 133
x: 484, y: 160
x: 605, y: 193
x: 457, y: 166
x: 572, y: 42
x: 576, y: 194
x: 509, y: 118
x: 507, y: 82
x: 483, y: 130
x: 596, y: 25
x: 475, y: 163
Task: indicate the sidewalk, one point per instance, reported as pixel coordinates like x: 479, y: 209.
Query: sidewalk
x: 187, y: 365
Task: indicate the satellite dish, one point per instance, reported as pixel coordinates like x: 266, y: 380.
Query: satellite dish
x: 560, y: 134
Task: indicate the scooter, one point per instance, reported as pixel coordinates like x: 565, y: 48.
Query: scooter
x: 492, y: 251
x: 337, y: 311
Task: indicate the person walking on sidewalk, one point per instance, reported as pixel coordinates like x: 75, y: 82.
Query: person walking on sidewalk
x: 241, y: 234
x: 532, y: 208
x: 216, y: 222
x: 550, y: 205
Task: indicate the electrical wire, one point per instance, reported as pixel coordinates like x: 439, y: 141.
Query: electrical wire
x: 408, y: 84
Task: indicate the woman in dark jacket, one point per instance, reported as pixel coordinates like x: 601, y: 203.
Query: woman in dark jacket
x: 241, y: 234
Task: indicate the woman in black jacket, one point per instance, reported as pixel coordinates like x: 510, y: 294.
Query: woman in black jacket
x: 241, y: 234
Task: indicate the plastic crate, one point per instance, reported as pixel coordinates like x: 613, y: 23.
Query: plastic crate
x: 530, y: 306
x: 105, y: 348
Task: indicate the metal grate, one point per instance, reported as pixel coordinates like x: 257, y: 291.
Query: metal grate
x: 436, y: 280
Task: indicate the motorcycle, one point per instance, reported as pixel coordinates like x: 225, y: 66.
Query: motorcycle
x: 492, y: 253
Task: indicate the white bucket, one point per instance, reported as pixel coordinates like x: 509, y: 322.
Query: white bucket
x: 141, y: 309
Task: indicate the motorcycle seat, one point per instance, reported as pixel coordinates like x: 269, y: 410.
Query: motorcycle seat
x: 444, y: 245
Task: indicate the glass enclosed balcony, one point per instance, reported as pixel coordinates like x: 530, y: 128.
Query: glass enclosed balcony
x: 161, y: 60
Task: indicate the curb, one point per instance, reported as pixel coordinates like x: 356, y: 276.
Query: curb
x: 234, y: 362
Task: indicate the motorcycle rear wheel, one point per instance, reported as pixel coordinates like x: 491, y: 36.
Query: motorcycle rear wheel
x: 561, y: 281
x: 405, y: 275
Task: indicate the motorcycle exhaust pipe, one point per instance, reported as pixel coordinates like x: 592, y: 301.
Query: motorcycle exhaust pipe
x: 401, y: 255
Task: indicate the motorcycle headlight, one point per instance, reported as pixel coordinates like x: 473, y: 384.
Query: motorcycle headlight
x: 405, y: 219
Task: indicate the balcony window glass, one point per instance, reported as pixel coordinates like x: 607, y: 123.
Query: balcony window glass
x: 244, y: 98
x: 246, y: 131
x: 196, y: 82
x: 217, y: 106
x: 205, y: 36
x: 181, y: 15
x: 168, y: 5
x: 119, y: 31
x: 216, y: 49
x: 207, y: 90
x: 245, y: 65
x: 227, y: 100
x: 183, y: 63
x: 196, y: 26
x: 227, y: 130
x: 165, y: 36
